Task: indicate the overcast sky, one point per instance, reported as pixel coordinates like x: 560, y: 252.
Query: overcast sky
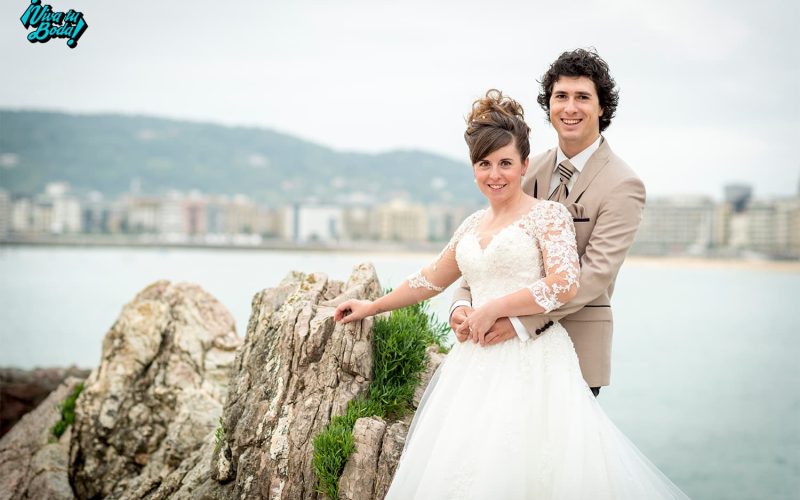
x: 709, y: 89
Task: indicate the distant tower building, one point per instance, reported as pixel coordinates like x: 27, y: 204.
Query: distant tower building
x: 738, y: 195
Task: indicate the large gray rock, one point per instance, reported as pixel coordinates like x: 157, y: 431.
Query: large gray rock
x: 157, y: 394
x: 297, y: 368
x: 33, y: 464
x: 360, y: 473
x: 370, y: 469
x: 147, y: 421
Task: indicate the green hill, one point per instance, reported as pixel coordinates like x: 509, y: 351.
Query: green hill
x: 106, y: 152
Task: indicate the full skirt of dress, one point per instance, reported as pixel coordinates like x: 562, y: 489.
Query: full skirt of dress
x: 517, y: 421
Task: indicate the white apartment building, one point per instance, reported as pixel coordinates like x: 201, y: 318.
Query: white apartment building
x: 310, y: 223
x: 677, y: 225
x: 400, y: 220
x: 170, y: 215
x: 359, y: 223
x: 772, y: 227
x: 22, y: 215
x: 143, y: 214
x: 66, y: 215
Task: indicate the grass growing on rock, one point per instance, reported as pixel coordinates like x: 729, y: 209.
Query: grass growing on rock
x: 67, y: 409
x: 220, y: 435
x: 400, y: 344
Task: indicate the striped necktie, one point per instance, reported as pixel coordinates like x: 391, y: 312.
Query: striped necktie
x: 565, y: 172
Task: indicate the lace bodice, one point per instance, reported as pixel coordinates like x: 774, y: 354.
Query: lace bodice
x: 537, y: 252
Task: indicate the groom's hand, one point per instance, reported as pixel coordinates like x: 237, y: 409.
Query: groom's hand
x: 457, y: 318
x: 501, y: 331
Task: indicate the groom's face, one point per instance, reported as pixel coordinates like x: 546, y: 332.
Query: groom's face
x: 575, y: 113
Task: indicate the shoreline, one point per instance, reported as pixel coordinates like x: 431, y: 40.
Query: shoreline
x: 713, y: 262
x: 268, y: 245
x: 385, y: 249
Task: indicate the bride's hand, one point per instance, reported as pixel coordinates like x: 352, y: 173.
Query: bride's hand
x: 353, y: 310
x: 478, y: 323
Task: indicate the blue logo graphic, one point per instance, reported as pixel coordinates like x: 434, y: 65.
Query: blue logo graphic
x: 49, y: 24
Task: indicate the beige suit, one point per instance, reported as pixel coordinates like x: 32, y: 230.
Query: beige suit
x: 606, y: 203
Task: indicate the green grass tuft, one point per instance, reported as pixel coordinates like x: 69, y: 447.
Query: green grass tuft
x: 400, y: 344
x: 67, y: 409
x: 219, y: 435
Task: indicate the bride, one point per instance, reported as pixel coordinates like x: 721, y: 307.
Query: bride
x: 514, y: 420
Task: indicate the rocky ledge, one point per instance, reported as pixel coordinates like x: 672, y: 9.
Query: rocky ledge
x: 22, y: 390
x: 180, y: 407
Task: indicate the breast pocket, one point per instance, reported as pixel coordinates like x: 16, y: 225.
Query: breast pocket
x: 583, y: 230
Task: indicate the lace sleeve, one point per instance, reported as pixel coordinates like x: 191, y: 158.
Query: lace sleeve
x: 551, y: 225
x: 418, y: 280
x: 468, y: 224
x: 444, y: 269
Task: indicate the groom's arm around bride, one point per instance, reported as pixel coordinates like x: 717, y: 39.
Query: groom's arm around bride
x: 605, y: 198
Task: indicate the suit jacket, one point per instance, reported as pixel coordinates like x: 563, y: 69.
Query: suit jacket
x: 606, y: 204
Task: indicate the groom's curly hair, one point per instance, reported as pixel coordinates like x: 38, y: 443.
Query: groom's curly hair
x: 582, y: 62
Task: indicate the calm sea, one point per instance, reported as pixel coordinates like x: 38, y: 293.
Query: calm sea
x: 706, y: 376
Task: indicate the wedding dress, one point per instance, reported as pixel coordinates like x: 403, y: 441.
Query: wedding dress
x: 516, y: 420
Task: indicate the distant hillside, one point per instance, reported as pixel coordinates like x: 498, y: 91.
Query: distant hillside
x: 105, y: 152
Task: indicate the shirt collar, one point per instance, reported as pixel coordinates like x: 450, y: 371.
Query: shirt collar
x: 579, y: 160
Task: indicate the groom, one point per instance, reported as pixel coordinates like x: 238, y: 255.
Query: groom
x: 605, y: 198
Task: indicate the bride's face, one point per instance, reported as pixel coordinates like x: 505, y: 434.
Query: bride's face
x: 499, y: 175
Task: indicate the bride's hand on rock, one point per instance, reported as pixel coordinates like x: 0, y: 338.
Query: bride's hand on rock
x: 353, y: 310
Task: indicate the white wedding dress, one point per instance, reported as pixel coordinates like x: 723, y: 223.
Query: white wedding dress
x: 517, y: 420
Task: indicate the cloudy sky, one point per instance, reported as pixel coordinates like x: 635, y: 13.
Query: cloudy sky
x: 709, y: 89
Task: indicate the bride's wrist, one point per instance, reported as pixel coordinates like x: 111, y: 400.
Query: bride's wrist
x: 493, y: 308
x: 374, y: 308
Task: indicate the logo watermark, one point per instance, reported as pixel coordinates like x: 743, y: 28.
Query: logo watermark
x: 47, y: 24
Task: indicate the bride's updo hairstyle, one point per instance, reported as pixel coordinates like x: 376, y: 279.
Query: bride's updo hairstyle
x: 494, y: 122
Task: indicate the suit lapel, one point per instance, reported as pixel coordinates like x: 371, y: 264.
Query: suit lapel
x: 544, y: 174
x: 594, y: 166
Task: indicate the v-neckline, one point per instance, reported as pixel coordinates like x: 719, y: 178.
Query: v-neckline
x: 495, y: 235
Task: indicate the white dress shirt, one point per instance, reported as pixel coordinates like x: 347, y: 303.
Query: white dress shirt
x: 578, y: 161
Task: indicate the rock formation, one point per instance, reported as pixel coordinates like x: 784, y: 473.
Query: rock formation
x: 22, y: 390
x: 379, y: 444
x: 148, y: 420
x: 296, y: 369
x: 157, y: 393
x: 32, y: 463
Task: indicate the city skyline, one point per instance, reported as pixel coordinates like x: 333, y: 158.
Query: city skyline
x: 741, y: 226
